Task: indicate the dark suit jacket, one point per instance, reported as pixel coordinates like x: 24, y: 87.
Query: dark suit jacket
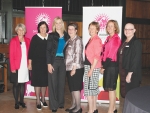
x: 131, y: 59
x: 52, y: 45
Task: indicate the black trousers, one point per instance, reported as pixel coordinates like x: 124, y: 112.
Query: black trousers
x: 56, y: 84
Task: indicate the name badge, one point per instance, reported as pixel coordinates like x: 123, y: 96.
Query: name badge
x: 127, y: 46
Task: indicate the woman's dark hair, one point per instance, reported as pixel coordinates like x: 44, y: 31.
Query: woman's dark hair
x: 41, y: 23
x: 75, y: 25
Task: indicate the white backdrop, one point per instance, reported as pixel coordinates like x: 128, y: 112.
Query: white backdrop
x: 101, y: 15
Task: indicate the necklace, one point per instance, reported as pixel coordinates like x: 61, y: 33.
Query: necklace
x: 122, y: 47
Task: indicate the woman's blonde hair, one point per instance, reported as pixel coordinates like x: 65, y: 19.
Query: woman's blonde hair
x: 115, y: 25
x: 54, y: 22
x: 20, y: 25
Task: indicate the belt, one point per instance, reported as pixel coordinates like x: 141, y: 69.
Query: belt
x: 59, y: 57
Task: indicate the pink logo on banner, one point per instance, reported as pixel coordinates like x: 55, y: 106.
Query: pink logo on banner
x: 42, y: 17
x: 102, y: 19
x: 34, y: 15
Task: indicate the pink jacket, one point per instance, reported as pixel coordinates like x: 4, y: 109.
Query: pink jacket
x: 111, y: 48
x: 93, y: 50
x: 15, y: 52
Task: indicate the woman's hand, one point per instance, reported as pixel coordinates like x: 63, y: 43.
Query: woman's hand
x: 30, y: 67
x: 50, y: 68
x: 128, y: 77
x: 90, y: 73
x: 102, y: 70
x: 72, y: 72
x: 14, y: 71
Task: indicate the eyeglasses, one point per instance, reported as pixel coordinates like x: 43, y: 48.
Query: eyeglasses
x: 128, y: 29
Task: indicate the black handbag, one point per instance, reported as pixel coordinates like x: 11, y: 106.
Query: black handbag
x: 2, y: 88
x: 1, y: 56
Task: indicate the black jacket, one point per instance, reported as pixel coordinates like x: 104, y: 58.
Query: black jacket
x: 52, y: 45
x: 131, y: 59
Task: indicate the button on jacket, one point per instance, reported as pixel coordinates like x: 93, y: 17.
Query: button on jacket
x: 74, y: 53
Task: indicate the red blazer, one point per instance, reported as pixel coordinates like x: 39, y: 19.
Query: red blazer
x: 15, y: 52
x: 93, y: 50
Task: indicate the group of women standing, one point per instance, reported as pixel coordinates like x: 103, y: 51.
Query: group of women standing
x: 52, y: 57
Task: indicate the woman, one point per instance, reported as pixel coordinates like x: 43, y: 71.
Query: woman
x: 92, y: 65
x: 110, y: 68
x: 74, y: 66
x: 130, y: 61
x: 37, y: 63
x: 18, y: 52
x: 56, y: 66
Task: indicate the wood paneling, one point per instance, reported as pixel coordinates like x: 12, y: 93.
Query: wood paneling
x: 137, y: 9
x: 17, y: 20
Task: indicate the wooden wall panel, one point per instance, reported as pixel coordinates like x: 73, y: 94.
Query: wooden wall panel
x: 17, y: 20
x: 142, y: 31
x: 137, y: 9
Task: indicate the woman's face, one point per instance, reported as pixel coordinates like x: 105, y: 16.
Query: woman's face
x: 111, y: 28
x: 92, y: 30
x: 43, y: 29
x: 72, y: 31
x: 20, y: 32
x: 129, y: 30
x: 58, y: 24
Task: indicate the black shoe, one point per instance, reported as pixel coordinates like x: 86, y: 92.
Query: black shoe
x: 95, y: 111
x: 44, y: 104
x: 39, y: 107
x: 79, y: 111
x: 115, y: 111
x: 54, y: 110
x: 61, y: 107
x: 68, y: 110
x: 17, y: 106
x: 22, y: 104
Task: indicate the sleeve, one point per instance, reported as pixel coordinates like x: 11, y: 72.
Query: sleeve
x: 49, y: 50
x: 135, y: 56
x: 32, y: 48
x: 78, y: 51
x: 97, y: 48
x: 12, y: 48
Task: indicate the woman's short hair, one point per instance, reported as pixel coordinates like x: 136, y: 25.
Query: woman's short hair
x: 96, y: 24
x: 20, y: 25
x: 75, y: 25
x: 41, y: 23
x: 115, y: 25
x: 54, y: 22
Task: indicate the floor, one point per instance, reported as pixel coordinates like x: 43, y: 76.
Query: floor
x: 7, y: 101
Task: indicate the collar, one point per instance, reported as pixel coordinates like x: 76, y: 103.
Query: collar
x: 73, y: 38
x: 42, y: 36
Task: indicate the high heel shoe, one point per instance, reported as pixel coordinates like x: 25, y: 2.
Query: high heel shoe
x: 115, y: 111
x: 22, y: 104
x: 68, y: 110
x: 17, y: 106
x: 95, y: 111
x: 79, y: 111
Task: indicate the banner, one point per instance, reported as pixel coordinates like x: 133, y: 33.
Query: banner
x: 101, y: 15
x: 34, y: 15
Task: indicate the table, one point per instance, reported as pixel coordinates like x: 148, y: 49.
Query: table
x: 5, y: 67
x: 137, y: 100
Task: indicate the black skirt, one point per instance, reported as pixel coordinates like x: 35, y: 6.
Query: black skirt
x: 76, y: 81
x: 14, y: 77
x: 110, y: 78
